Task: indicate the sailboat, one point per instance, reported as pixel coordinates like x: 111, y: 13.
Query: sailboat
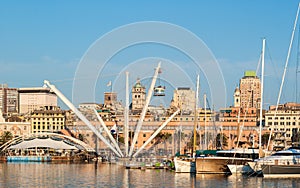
x: 233, y: 161
x: 285, y: 163
x: 188, y: 164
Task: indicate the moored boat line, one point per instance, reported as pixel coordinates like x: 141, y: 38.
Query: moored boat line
x: 281, y: 163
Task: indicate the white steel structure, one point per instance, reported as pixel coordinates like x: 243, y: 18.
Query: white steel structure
x: 140, y: 122
x: 115, y: 147
x: 80, y: 115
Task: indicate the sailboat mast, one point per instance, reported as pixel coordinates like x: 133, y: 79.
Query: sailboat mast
x: 284, y: 71
x: 196, y: 116
x: 262, y: 90
x: 205, y: 135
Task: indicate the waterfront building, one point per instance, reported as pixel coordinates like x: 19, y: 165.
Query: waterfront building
x: 8, y: 100
x: 33, y: 98
x: 184, y: 98
x: 241, y: 125
x: 47, y: 119
x: 250, y: 90
x: 237, y: 98
x: 89, y: 106
x: 110, y: 98
x: 16, y: 127
x: 138, y: 100
x: 285, y: 123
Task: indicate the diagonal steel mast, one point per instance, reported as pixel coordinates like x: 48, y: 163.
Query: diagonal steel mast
x: 80, y: 115
x: 126, y: 115
x: 156, y: 133
x: 140, y: 122
x: 108, y: 133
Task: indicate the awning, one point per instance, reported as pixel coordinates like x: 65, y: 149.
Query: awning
x: 46, y: 143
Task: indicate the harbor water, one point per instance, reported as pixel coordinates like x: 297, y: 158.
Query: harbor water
x: 111, y: 175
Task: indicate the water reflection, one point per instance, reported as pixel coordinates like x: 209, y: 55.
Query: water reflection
x: 109, y: 175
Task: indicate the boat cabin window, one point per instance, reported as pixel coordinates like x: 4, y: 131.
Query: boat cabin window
x: 239, y: 155
x: 286, y: 154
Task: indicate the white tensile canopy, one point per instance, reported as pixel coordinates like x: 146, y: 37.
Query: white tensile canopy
x: 46, y: 143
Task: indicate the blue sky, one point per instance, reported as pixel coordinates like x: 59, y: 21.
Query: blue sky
x: 46, y: 39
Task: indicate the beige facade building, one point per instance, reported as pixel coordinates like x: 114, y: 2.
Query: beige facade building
x: 33, y: 98
x: 250, y: 90
x: 47, y: 119
x: 17, y: 128
x: 283, y: 123
x: 184, y: 98
x: 89, y: 106
x: 138, y: 97
x: 110, y: 98
x: 237, y: 98
x: 8, y: 100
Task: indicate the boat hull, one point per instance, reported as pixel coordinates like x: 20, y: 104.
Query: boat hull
x: 184, y: 165
x: 221, y: 165
x: 239, y: 169
x: 281, y: 170
x: 28, y: 159
x: 211, y: 165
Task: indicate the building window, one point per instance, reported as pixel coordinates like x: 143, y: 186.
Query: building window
x: 144, y: 135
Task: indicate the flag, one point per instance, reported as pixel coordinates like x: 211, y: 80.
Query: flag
x: 108, y: 84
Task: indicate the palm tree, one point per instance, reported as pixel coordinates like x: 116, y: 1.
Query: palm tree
x: 81, y: 137
x: 5, y: 137
x: 162, y: 138
x: 190, y: 143
x: 221, y: 140
x: 265, y: 138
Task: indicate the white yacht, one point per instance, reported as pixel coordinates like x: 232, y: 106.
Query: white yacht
x: 227, y: 161
x: 282, y: 163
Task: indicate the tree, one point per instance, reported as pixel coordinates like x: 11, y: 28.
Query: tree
x: 265, y: 139
x: 221, y: 141
x: 295, y: 136
x: 81, y: 137
x: 121, y: 140
x: 5, y: 137
x: 162, y: 138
